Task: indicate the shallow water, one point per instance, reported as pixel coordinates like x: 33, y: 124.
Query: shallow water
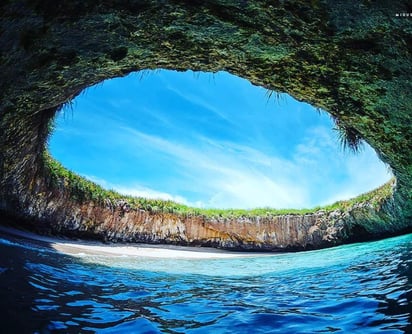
x: 364, y: 288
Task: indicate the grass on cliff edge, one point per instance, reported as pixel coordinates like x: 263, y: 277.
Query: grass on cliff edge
x: 82, y: 190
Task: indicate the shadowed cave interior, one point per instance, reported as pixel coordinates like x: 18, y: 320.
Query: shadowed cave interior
x: 331, y: 54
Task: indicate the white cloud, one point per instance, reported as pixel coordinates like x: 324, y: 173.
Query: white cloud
x: 364, y: 175
x: 344, y: 174
x: 231, y: 175
x: 138, y: 190
x: 255, y: 190
x: 198, y: 101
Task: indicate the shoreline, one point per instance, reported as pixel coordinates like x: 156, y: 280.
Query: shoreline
x: 74, y: 247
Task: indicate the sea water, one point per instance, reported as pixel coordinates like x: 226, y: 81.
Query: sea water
x: 358, y: 288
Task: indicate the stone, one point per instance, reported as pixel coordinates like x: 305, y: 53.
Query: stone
x: 350, y: 58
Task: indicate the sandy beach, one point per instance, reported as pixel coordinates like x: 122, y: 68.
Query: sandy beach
x: 74, y: 247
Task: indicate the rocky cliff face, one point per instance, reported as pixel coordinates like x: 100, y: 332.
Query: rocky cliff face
x: 55, y: 212
x: 351, y: 58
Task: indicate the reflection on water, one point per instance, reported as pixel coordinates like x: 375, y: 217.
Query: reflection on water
x: 365, y: 288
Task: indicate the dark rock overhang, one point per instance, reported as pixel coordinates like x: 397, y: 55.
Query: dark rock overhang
x: 350, y: 58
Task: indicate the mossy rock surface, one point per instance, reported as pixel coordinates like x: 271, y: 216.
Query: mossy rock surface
x: 350, y: 58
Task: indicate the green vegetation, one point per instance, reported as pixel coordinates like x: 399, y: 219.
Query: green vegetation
x: 349, y: 137
x: 83, y: 190
x: 375, y: 197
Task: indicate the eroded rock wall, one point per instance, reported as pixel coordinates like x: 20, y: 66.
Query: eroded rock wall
x: 55, y: 212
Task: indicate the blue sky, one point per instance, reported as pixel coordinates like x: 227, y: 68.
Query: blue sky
x: 209, y: 140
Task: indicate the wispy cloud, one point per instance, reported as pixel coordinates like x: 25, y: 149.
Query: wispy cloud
x: 343, y: 175
x: 137, y: 190
x: 244, y: 159
x: 233, y: 175
x: 196, y: 100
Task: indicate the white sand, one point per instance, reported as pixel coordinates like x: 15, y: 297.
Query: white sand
x: 142, y: 250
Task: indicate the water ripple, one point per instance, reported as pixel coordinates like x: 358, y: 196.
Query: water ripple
x: 365, y: 288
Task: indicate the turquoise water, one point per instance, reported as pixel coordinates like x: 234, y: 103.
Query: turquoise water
x: 359, y: 288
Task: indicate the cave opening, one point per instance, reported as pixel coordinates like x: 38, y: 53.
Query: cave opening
x: 210, y: 141
x: 310, y: 52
